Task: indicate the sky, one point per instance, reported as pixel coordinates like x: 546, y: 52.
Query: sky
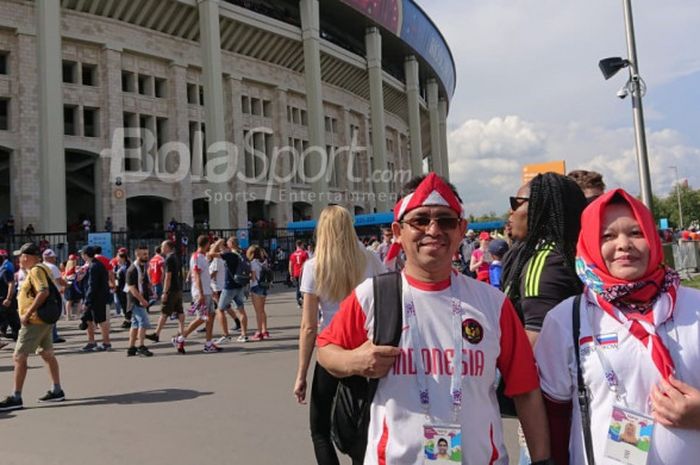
x: 529, y: 90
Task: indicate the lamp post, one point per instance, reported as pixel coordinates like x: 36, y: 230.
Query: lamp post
x: 678, y: 195
x: 636, y: 87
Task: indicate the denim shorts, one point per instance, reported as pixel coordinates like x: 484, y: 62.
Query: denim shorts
x: 236, y: 296
x: 139, y: 318
x: 259, y: 290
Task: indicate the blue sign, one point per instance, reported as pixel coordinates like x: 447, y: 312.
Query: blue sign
x: 242, y: 236
x: 273, y: 244
x: 103, y: 240
x: 663, y: 223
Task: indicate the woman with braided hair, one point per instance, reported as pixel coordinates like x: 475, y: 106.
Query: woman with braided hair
x: 545, y: 217
x: 545, y: 220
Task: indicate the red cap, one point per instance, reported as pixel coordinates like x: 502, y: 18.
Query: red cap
x: 122, y: 250
x: 72, y: 257
x: 4, y: 253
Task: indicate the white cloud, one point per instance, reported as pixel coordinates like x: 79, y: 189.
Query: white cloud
x: 487, y: 157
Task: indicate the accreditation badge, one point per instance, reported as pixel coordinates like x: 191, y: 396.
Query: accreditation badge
x: 442, y: 444
x: 629, y: 436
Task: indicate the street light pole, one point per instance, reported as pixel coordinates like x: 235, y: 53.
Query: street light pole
x: 678, y: 195
x: 640, y: 136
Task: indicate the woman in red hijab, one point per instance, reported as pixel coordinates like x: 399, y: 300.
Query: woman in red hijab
x: 638, y: 344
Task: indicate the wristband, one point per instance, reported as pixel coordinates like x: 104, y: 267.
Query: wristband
x: 543, y: 462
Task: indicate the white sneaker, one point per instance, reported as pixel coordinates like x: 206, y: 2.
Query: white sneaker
x: 242, y: 339
x: 223, y: 340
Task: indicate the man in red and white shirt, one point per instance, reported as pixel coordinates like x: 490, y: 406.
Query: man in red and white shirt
x: 428, y: 225
x: 296, y: 265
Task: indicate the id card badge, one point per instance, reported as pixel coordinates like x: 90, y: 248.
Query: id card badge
x: 629, y: 436
x: 442, y: 444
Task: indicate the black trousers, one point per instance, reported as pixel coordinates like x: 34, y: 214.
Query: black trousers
x: 323, y: 390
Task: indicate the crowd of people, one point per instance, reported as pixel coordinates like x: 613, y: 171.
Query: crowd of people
x: 222, y: 277
x: 570, y: 320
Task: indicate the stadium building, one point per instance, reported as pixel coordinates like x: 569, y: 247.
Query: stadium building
x: 125, y: 109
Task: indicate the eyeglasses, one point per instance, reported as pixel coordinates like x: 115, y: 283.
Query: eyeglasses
x: 516, y: 202
x: 422, y: 223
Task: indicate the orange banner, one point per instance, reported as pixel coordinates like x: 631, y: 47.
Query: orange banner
x: 530, y: 171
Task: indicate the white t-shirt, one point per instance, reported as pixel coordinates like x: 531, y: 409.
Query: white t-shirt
x: 219, y: 266
x: 55, y: 271
x: 199, y: 264
x: 396, y: 418
x: 255, y: 267
x: 632, y: 364
x: 328, y: 308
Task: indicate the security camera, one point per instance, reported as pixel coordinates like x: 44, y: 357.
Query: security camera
x: 622, y: 93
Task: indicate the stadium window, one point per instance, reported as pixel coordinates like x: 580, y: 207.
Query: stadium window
x: 245, y: 104
x: 4, y: 114
x: 69, y: 120
x: 201, y: 95
x: 128, y: 81
x: 256, y: 106
x: 89, y: 74
x: 145, y: 84
x: 304, y: 118
x: 267, y: 108
x: 70, y: 69
x: 4, y: 63
x: 295, y: 115
x: 192, y: 93
x: 161, y: 87
x: 161, y: 132
x: 91, y: 122
x: 327, y: 122
x: 289, y: 114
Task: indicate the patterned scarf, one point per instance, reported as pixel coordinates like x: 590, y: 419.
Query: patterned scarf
x: 642, y: 305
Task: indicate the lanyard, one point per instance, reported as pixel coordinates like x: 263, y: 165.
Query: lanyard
x: 417, y: 343
x: 614, y: 383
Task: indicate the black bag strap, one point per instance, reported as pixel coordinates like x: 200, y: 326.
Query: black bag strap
x: 583, y: 401
x: 388, y: 317
x: 49, y: 280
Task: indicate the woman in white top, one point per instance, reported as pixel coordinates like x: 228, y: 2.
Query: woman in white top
x: 637, y: 344
x: 339, y: 265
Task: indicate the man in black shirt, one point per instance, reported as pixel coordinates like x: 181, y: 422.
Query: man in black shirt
x: 139, y: 287
x: 95, y: 301
x: 172, y: 291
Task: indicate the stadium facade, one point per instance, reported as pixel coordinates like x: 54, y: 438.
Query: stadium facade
x: 144, y: 110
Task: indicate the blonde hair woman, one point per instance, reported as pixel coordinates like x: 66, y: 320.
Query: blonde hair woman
x: 258, y: 290
x: 338, y: 266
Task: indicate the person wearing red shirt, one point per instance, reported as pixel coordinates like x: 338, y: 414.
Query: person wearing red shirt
x: 155, y: 272
x: 106, y: 262
x: 296, y: 265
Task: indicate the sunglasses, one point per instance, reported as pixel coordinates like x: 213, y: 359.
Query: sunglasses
x: 516, y: 202
x: 422, y: 223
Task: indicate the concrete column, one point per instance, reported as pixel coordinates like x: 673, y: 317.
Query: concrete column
x: 113, y: 118
x: 310, y: 26
x: 373, y: 42
x: 238, y: 210
x: 283, y: 170
x: 435, y: 139
x: 52, y: 157
x: 210, y: 39
x: 442, y: 112
x: 344, y: 161
x: 179, y: 131
x: 365, y: 161
x: 413, y: 98
x: 26, y: 158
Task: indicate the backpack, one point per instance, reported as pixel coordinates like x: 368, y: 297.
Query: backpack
x: 52, y: 308
x: 242, y: 274
x: 266, y: 276
x: 350, y: 411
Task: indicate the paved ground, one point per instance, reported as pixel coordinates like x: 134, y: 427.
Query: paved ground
x: 235, y: 407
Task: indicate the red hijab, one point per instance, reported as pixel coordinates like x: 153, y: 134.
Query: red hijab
x: 627, y: 301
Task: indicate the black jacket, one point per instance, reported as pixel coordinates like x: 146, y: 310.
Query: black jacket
x: 97, y: 290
